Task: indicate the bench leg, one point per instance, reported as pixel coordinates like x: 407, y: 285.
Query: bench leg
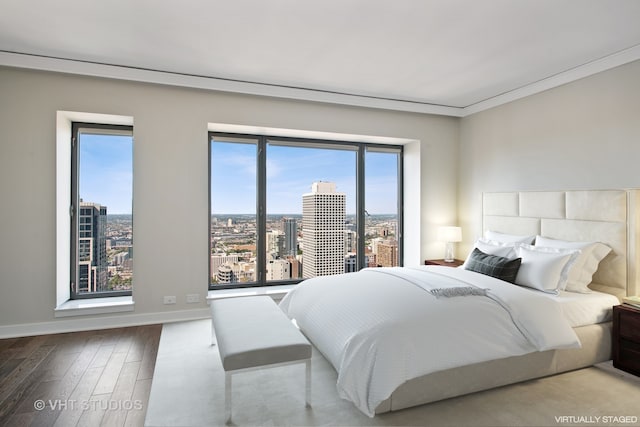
x: 228, y: 389
x: 307, y: 390
x: 213, y: 333
x: 227, y: 397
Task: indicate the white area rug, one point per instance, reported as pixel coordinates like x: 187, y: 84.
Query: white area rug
x: 188, y: 387
x: 188, y: 390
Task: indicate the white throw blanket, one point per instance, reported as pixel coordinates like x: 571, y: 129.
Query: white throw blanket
x: 382, y: 327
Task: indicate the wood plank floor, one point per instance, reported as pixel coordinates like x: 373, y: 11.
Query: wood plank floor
x: 92, y: 378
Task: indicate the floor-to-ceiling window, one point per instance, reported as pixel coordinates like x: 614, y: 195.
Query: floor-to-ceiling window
x: 233, y: 216
x: 101, y: 210
x: 382, y: 206
x: 311, y: 188
x: 286, y: 209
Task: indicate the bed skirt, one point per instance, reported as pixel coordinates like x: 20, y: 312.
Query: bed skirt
x: 596, y: 348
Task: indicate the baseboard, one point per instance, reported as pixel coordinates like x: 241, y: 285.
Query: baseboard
x: 101, y: 322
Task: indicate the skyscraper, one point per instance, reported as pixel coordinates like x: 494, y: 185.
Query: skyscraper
x: 290, y: 229
x: 323, y: 215
x: 275, y: 244
x: 92, y: 248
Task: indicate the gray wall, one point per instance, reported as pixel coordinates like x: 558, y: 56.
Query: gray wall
x: 583, y: 135
x: 170, y: 182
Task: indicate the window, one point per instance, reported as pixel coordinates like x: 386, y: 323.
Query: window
x: 101, y: 210
x: 382, y: 206
x: 233, y: 220
x: 313, y: 186
x: 285, y: 209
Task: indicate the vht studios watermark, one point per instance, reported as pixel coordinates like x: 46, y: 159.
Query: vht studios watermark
x: 87, y: 405
x: 596, y: 419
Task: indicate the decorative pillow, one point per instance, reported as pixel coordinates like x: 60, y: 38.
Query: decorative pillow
x: 581, y: 273
x: 491, y: 247
x: 545, y: 269
x: 495, y: 266
x: 508, y: 238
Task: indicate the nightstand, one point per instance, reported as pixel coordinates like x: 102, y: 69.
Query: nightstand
x: 626, y: 338
x: 454, y: 263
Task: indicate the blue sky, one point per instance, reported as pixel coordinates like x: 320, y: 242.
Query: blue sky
x: 106, y: 171
x: 106, y: 176
x: 290, y: 173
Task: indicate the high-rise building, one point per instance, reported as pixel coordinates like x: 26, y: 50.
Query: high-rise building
x: 235, y: 272
x: 290, y: 229
x: 278, y: 269
x: 92, y: 248
x: 350, y: 263
x: 323, y: 215
x: 275, y: 244
x: 224, y: 274
x: 388, y: 253
x: 350, y: 241
x: 296, y: 267
x: 217, y: 260
x: 374, y: 244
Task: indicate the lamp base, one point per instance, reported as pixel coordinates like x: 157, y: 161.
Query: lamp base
x: 448, y: 252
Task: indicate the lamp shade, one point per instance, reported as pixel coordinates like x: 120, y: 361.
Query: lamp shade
x: 450, y: 234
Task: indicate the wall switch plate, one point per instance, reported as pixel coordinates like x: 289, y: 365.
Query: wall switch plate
x: 169, y: 299
x: 193, y: 298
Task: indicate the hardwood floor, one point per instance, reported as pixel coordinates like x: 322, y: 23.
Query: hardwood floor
x: 87, y: 378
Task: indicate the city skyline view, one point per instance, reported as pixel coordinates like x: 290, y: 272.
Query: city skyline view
x: 103, y: 223
x: 311, y: 218
x: 310, y: 191
x: 321, y: 241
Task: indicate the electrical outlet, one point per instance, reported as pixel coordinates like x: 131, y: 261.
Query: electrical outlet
x: 193, y: 298
x: 169, y: 299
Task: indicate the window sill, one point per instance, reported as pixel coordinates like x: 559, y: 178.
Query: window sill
x: 276, y: 292
x: 83, y: 307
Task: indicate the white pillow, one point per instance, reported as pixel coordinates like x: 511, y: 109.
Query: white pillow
x: 491, y: 247
x: 581, y: 273
x: 545, y: 269
x: 508, y: 238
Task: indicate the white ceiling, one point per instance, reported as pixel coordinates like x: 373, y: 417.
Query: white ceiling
x: 441, y: 56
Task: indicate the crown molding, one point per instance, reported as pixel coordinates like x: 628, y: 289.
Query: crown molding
x: 44, y: 63
x: 585, y: 70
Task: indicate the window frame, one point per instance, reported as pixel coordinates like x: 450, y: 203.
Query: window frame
x: 78, y: 128
x: 262, y: 141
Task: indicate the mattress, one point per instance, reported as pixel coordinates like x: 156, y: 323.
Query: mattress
x: 585, y: 309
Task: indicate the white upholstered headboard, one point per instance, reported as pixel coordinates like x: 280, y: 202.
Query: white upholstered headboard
x: 607, y: 216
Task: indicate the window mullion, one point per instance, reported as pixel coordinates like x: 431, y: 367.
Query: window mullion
x: 74, y: 210
x: 400, y: 221
x: 261, y: 210
x: 360, y: 208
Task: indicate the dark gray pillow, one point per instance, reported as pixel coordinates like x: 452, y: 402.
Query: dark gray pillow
x: 495, y: 266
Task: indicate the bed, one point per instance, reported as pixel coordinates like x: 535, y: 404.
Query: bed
x: 607, y: 216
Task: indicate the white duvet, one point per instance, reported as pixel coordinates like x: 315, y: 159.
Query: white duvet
x: 382, y: 327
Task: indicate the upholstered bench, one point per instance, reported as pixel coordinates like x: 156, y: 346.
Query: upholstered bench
x: 252, y: 332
